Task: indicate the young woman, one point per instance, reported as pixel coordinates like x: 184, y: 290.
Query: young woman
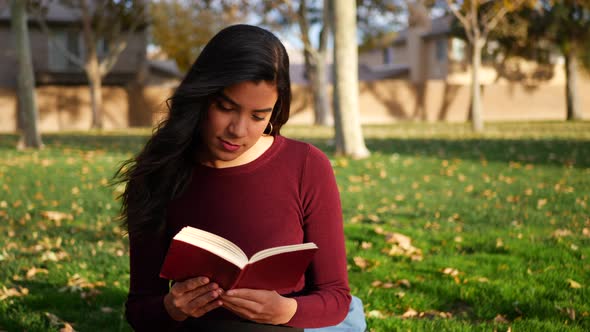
x: 218, y: 163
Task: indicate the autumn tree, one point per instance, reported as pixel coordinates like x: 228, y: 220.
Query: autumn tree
x: 538, y: 33
x: 348, y: 132
x: 478, y: 18
x: 110, y: 22
x: 182, y: 28
x: 27, y: 104
x: 565, y: 24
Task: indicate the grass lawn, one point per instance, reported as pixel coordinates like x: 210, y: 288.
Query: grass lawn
x: 446, y: 230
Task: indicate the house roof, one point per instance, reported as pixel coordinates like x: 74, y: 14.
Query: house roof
x: 56, y: 13
x: 438, y: 26
x: 166, y: 67
x: 365, y: 73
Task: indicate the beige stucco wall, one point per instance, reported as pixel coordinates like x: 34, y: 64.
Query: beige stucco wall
x: 399, y: 100
x: 387, y: 101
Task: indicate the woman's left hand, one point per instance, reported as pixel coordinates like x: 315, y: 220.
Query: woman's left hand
x: 261, y: 306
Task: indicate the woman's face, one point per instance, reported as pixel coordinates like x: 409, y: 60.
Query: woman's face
x: 237, y: 118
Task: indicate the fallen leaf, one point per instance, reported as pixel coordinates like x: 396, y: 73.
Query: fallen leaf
x: 56, y: 215
x: 12, y: 292
x: 558, y: 233
x: 410, y: 313
x: 541, y: 203
x: 573, y: 284
x: 67, y: 328
x: 571, y: 313
x: 450, y: 271
x: 360, y: 262
x: 107, y: 310
x: 376, y: 314
x: 366, y: 245
x: 33, y: 271
x: 404, y: 282
x: 501, y: 319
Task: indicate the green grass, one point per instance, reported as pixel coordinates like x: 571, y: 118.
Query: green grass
x: 504, y: 213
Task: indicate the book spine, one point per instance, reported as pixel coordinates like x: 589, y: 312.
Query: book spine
x: 239, y: 278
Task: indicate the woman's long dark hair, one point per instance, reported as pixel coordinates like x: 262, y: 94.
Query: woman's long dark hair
x: 162, y: 170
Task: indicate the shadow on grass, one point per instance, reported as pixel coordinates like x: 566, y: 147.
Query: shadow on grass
x: 99, y: 309
x: 551, y: 151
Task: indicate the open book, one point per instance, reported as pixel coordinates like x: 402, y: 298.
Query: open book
x: 194, y: 252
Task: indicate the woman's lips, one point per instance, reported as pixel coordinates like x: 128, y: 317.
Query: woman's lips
x: 229, y: 146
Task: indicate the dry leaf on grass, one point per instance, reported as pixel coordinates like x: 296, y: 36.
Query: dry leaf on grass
x: 366, y: 245
x: 33, y: 271
x: 573, y: 284
x: 12, y: 292
x: 450, y: 271
x: 58, y: 322
x: 375, y: 314
x: 360, y: 262
x: 56, y: 215
x: 410, y: 313
x: 401, y: 245
x: 453, y: 273
x: 558, y: 233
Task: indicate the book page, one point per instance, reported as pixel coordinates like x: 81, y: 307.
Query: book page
x: 277, y: 250
x: 214, y: 244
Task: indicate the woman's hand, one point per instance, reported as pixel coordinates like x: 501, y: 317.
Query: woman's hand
x: 193, y: 297
x: 261, y: 306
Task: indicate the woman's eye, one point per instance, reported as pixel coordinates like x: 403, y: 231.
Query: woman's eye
x: 257, y: 118
x: 222, y: 107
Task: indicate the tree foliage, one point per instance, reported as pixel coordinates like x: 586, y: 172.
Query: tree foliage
x: 544, y: 30
x: 183, y: 28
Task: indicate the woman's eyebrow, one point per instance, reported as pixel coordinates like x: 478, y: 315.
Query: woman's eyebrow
x: 228, y: 99
x: 231, y: 101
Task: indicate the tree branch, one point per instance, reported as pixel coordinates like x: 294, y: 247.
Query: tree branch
x: 53, y: 41
x: 117, y: 46
x: 463, y: 19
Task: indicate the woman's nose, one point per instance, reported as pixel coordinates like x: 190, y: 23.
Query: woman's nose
x: 238, y: 126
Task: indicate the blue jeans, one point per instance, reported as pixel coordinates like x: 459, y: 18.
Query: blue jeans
x: 354, y: 321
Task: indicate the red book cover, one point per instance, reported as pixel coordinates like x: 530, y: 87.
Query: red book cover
x: 204, y: 254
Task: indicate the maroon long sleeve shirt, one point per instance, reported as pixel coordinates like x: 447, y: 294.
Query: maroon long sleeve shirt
x: 288, y: 195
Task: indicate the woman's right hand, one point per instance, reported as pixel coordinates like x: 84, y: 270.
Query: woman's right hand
x: 192, y: 297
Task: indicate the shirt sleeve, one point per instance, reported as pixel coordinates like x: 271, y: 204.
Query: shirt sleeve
x: 144, y: 308
x: 327, y: 295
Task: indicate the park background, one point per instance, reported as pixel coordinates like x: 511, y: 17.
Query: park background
x: 449, y: 227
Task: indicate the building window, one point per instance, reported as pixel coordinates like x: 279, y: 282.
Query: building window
x: 441, y: 50
x: 70, y: 40
x: 64, y: 39
x: 388, y: 55
x: 458, y: 49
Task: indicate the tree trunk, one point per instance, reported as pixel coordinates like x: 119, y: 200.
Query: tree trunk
x: 321, y: 104
x: 95, y: 85
x: 571, y: 92
x: 476, y: 107
x: 27, y: 104
x: 351, y: 142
